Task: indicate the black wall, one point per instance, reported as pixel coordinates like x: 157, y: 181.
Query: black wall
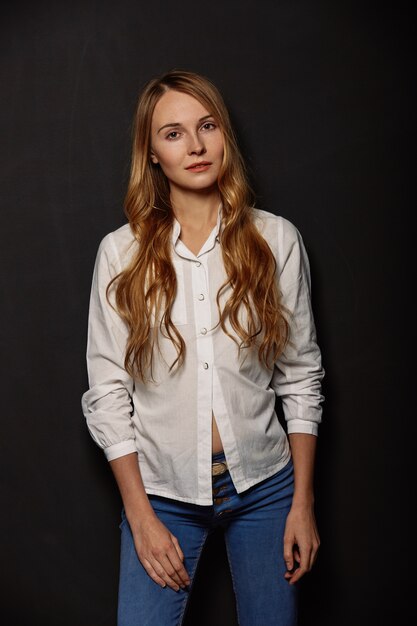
x: 320, y: 93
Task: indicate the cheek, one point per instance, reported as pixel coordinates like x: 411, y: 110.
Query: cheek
x: 169, y: 156
x: 218, y: 146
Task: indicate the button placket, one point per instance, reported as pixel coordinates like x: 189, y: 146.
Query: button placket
x: 203, y: 314
x: 204, y: 355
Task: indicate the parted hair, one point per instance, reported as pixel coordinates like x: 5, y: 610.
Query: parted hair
x: 146, y: 289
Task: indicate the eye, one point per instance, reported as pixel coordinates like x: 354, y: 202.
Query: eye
x: 208, y: 126
x: 174, y: 134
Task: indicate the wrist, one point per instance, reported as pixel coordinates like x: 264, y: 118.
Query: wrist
x: 139, y: 513
x: 303, y: 500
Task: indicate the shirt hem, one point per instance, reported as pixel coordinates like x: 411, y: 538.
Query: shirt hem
x: 275, y: 468
x: 165, y: 494
x: 239, y: 489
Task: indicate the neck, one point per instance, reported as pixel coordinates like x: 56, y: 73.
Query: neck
x: 195, y: 209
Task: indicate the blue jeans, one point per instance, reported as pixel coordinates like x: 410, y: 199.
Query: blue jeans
x: 253, y: 524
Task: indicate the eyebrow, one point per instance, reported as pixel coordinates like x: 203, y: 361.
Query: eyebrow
x: 176, y: 124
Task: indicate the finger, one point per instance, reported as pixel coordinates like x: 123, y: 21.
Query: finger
x: 288, y: 554
x: 178, y: 554
x: 309, y: 554
x: 314, y: 553
x: 162, y: 566
x: 178, y: 547
x: 297, y: 555
x: 176, y: 557
x: 152, y: 573
x: 295, y: 575
x: 302, y: 556
x: 175, y: 568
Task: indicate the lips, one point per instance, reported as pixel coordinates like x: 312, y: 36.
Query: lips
x: 199, y: 164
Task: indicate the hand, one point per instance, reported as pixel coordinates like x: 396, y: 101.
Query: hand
x: 301, y: 542
x: 159, y: 552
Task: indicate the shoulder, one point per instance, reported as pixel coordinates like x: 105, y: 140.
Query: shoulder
x: 281, y: 234
x: 117, y: 248
x: 118, y: 239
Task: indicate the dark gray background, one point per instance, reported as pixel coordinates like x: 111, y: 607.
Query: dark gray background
x: 320, y: 94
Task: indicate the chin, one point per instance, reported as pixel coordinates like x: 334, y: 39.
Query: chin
x: 202, y: 182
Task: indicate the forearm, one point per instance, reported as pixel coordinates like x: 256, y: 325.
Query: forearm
x: 129, y: 480
x: 150, y: 535
x: 303, y: 450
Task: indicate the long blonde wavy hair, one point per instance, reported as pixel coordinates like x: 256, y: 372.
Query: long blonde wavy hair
x: 146, y: 288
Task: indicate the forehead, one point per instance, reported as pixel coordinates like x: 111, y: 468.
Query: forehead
x: 177, y: 107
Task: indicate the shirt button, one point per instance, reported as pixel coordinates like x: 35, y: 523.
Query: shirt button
x: 201, y: 296
x: 198, y: 264
x: 203, y: 331
x: 206, y: 366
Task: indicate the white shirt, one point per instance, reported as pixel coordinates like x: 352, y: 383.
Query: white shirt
x: 168, y: 423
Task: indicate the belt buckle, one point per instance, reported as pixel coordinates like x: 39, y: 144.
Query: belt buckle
x: 218, y: 468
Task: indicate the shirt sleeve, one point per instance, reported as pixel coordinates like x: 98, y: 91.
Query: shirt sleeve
x: 298, y: 372
x: 107, y: 405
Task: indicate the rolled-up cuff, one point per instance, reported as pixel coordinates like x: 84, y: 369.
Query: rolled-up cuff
x: 120, y: 449
x: 301, y: 426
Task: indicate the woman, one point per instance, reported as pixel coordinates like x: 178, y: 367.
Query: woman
x: 199, y: 317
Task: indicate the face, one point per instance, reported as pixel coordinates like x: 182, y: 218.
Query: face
x: 186, y: 141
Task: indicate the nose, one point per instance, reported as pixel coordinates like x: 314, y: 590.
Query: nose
x: 196, y: 145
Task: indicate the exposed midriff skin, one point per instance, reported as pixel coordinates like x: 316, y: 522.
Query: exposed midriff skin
x: 216, y: 442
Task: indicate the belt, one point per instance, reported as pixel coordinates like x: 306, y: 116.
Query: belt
x: 218, y: 467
